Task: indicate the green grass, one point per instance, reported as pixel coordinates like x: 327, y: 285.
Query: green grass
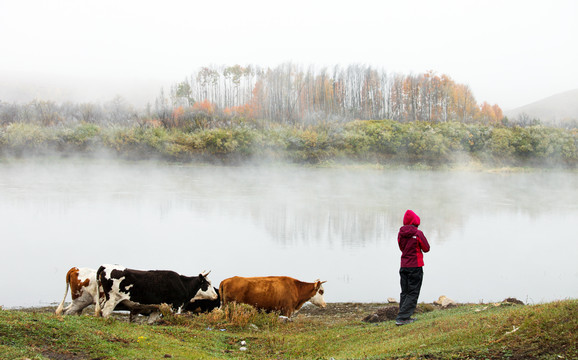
x: 544, y: 331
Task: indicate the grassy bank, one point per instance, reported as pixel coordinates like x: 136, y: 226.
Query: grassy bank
x: 383, y: 142
x: 544, y: 331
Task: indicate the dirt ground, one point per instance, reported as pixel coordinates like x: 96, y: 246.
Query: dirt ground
x: 369, y: 312
x: 342, y: 310
x: 345, y: 311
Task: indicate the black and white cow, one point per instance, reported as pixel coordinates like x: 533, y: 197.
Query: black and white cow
x: 144, y: 291
x: 204, y: 305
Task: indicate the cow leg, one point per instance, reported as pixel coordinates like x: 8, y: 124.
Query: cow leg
x: 78, y: 304
x: 99, y: 305
x: 109, y: 306
x: 75, y: 308
x: 154, y: 317
x: 136, y: 309
x: 65, y: 310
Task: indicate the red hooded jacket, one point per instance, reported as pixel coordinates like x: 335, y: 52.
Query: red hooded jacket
x: 411, y: 241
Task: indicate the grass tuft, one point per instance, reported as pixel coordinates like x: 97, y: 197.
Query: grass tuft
x: 239, y: 316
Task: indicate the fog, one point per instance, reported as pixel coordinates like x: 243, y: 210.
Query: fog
x: 21, y: 88
x: 510, y: 53
x: 493, y: 235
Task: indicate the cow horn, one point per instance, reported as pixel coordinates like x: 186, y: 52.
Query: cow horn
x: 205, y: 273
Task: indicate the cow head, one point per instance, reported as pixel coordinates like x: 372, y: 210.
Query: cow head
x: 318, y: 299
x: 206, y: 290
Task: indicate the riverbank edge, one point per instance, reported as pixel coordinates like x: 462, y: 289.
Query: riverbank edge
x: 467, y: 331
x: 470, y: 166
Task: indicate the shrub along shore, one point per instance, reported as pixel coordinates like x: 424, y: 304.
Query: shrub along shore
x: 369, y: 141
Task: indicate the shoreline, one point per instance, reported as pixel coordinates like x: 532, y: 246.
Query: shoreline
x: 479, y: 331
x: 310, y: 309
x: 350, y: 164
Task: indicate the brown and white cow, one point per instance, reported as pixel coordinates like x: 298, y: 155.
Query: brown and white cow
x: 272, y: 293
x: 83, y: 290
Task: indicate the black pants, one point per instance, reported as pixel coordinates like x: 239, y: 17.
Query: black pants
x: 411, y: 279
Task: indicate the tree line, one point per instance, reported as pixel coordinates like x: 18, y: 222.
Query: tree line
x: 291, y: 94
x: 287, y: 94
x: 49, y: 113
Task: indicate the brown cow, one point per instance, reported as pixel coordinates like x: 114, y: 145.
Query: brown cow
x: 272, y: 293
x: 83, y: 290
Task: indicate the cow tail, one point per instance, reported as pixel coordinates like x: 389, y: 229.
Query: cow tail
x: 222, y: 294
x: 61, y: 305
x: 97, y: 309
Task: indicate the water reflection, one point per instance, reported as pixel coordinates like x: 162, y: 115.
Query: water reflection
x: 491, y: 234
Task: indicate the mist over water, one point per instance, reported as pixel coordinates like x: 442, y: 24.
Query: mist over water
x: 493, y: 235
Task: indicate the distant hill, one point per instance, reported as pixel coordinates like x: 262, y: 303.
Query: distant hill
x: 553, y: 110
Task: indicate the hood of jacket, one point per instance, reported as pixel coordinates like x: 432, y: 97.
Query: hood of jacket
x: 408, y: 231
x: 411, y: 218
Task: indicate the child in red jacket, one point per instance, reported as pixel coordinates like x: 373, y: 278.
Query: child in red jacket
x: 411, y: 243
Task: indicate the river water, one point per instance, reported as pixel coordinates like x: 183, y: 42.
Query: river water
x: 492, y: 235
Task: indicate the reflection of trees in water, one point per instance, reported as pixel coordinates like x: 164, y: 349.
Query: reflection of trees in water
x: 348, y: 227
x: 301, y: 205
x: 372, y: 210
x: 321, y: 225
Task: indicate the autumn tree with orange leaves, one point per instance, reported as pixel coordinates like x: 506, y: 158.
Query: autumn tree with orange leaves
x: 291, y: 94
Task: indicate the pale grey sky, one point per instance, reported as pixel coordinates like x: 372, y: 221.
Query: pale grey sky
x: 510, y: 52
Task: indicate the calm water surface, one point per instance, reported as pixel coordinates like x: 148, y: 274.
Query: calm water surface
x: 493, y: 235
